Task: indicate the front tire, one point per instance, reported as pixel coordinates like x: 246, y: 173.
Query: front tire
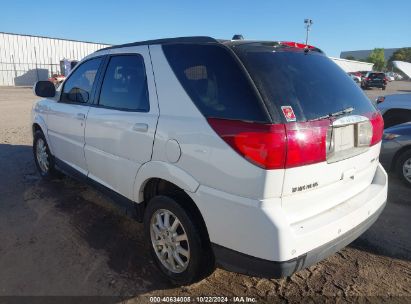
x: 403, y: 167
x: 42, y: 157
x: 176, y: 241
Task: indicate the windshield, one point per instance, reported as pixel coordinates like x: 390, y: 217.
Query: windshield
x: 310, y: 84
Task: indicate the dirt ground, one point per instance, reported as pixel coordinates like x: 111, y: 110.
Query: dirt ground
x: 62, y: 238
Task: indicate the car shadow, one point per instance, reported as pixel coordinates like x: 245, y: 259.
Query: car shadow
x: 390, y: 234
x: 84, y: 218
x: 70, y: 218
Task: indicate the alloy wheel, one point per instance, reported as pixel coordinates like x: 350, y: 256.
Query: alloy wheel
x: 406, y: 170
x: 170, y: 241
x: 42, y: 155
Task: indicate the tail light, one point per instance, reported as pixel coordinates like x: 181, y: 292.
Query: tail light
x: 306, y: 142
x: 282, y: 146
x: 377, y: 127
x: 262, y: 144
x: 276, y: 146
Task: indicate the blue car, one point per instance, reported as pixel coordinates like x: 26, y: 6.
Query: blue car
x: 396, y: 151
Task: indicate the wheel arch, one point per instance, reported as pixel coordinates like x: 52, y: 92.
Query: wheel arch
x: 158, y: 186
x: 39, y: 124
x: 164, y: 171
x: 397, y: 156
x: 161, y: 178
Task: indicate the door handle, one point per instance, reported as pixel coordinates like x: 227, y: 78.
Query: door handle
x: 81, y: 116
x: 140, y: 127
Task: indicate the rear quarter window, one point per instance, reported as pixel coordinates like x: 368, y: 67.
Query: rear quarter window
x: 215, y: 82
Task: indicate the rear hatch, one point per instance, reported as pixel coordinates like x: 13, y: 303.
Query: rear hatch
x: 333, y: 131
x: 376, y: 78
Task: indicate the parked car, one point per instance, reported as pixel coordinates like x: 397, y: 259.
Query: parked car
x: 394, y: 76
x: 363, y: 73
x: 356, y: 78
x: 228, y: 152
x: 395, y: 108
x: 389, y: 77
x: 396, y: 151
x: 374, y: 80
x: 56, y: 79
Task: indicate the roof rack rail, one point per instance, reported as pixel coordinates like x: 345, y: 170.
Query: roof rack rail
x: 192, y: 39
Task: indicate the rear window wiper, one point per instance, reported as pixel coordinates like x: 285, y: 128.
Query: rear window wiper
x: 335, y: 114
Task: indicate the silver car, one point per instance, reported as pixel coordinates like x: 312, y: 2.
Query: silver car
x: 396, y: 151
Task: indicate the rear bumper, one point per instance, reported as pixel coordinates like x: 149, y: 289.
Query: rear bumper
x: 242, y: 263
x: 258, y: 236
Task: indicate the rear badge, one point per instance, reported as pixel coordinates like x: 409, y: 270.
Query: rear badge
x: 288, y: 113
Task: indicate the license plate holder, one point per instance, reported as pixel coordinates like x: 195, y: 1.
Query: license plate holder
x: 344, y: 138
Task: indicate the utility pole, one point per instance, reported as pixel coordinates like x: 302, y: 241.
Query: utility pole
x: 308, y: 23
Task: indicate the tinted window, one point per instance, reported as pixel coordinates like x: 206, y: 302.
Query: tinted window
x: 312, y: 84
x: 78, y: 86
x: 214, y: 81
x: 125, y: 84
x: 377, y: 75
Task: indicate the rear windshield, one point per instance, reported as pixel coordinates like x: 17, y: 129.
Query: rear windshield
x: 377, y: 75
x: 310, y: 83
x: 215, y: 82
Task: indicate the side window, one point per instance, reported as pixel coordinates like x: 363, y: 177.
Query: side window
x: 214, y: 81
x: 125, y: 84
x: 79, y: 85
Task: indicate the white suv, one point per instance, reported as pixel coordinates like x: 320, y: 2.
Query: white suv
x: 258, y: 156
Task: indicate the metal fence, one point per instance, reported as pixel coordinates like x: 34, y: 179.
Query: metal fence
x: 25, y: 59
x: 26, y: 74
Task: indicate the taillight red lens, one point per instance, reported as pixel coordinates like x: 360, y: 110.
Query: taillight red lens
x: 262, y: 144
x: 275, y: 146
x: 377, y: 127
x: 306, y: 142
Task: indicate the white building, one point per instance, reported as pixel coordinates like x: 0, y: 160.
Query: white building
x: 24, y: 59
x: 352, y: 65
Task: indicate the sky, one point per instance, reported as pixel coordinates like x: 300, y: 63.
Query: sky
x: 337, y: 25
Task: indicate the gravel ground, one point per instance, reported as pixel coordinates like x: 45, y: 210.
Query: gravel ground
x: 63, y: 238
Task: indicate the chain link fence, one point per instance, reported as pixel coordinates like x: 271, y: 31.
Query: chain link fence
x: 26, y: 74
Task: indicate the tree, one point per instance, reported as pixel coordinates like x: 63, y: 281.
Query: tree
x: 377, y: 57
x: 403, y: 54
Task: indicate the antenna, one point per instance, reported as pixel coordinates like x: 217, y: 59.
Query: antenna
x: 308, y: 23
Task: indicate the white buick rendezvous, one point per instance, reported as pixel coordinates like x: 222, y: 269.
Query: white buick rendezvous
x: 258, y: 156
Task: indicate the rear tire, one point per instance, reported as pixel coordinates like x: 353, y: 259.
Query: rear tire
x: 179, y: 250
x: 43, y: 158
x: 403, y: 167
x: 383, y: 88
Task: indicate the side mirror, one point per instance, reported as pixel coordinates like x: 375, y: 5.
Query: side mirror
x: 380, y: 99
x: 44, y: 88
